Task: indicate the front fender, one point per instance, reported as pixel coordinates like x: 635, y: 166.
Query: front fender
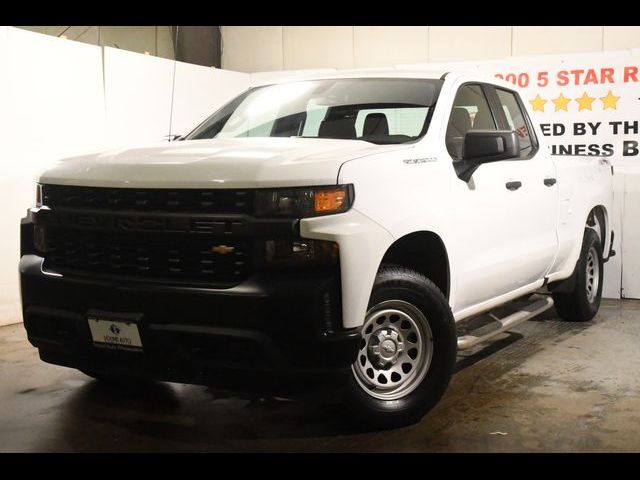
x: 362, y: 244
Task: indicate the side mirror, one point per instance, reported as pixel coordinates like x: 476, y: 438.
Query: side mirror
x: 484, y: 146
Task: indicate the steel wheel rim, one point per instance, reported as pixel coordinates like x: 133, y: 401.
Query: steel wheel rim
x: 396, y: 350
x: 592, y: 275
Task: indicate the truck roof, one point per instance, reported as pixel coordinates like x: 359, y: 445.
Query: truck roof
x: 270, y: 78
x: 293, y: 76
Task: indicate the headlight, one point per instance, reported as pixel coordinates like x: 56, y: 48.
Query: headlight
x: 304, y: 202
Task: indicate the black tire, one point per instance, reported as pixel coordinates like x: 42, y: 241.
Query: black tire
x: 402, y: 284
x: 576, y: 306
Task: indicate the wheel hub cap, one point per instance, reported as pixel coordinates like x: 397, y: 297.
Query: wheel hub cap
x: 385, y: 347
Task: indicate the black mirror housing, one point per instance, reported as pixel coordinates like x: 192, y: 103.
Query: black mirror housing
x: 483, y: 146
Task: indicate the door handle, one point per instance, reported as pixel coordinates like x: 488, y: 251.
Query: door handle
x: 549, y: 182
x: 513, y: 185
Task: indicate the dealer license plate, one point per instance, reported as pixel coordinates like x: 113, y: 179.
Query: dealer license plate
x: 114, y: 333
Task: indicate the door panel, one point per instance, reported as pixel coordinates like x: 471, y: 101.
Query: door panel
x: 539, y: 200
x: 506, y: 215
x: 489, y: 245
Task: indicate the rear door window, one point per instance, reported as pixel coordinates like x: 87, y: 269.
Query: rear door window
x: 517, y: 120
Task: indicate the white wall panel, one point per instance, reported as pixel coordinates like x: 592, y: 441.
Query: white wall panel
x: 4, y: 77
x: 200, y: 91
x: 631, y: 234
x: 317, y: 47
x: 620, y: 38
x: 449, y: 44
x: 55, y: 107
x: 138, y: 97
x: 251, y: 49
x: 384, y: 46
x: 537, y: 40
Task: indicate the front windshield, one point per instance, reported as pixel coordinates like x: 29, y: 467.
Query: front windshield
x: 377, y: 110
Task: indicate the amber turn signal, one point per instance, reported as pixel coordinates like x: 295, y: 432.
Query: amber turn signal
x: 330, y: 200
x: 303, y: 202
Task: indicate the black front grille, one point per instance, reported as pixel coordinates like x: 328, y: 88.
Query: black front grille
x: 157, y: 257
x: 149, y: 199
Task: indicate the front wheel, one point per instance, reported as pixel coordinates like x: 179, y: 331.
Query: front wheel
x: 582, y: 304
x: 407, y: 353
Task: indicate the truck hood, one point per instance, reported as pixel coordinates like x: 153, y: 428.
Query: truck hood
x: 217, y: 163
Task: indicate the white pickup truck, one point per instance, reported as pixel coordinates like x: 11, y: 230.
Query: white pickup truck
x: 326, y: 233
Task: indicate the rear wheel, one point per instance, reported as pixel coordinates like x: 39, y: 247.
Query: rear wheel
x: 582, y: 304
x: 407, y: 352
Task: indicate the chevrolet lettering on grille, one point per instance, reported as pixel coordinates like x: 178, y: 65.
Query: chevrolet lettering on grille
x: 136, y: 223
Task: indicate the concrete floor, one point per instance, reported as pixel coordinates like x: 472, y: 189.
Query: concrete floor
x: 546, y: 386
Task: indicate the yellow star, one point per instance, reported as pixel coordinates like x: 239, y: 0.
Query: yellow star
x: 561, y: 103
x: 610, y: 101
x: 538, y: 103
x: 585, y: 102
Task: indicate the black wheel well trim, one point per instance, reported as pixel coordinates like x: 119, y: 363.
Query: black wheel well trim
x: 425, y: 252
x: 568, y: 284
x: 601, y: 212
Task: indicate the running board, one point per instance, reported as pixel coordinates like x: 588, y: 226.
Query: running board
x: 529, y: 311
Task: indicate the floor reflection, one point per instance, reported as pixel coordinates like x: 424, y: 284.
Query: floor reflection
x: 196, y: 418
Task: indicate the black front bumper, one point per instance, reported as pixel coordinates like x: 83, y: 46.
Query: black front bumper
x: 274, y: 333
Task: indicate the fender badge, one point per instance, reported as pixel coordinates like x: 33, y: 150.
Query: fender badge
x: 413, y: 161
x: 222, y: 249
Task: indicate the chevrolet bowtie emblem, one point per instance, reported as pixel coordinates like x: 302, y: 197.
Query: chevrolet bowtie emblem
x: 222, y: 249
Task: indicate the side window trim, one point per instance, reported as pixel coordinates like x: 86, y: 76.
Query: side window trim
x: 496, y: 113
x: 496, y: 106
x: 486, y: 91
x: 527, y: 120
x: 504, y: 124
